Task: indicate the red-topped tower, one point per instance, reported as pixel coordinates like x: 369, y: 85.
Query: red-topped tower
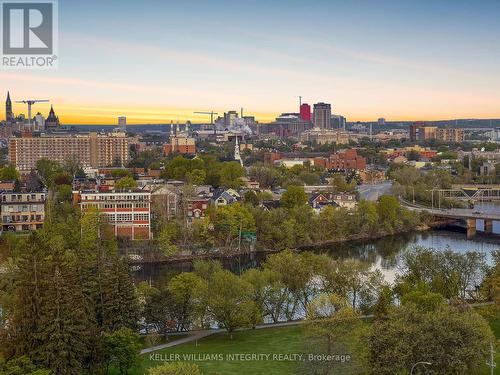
x: 305, y: 112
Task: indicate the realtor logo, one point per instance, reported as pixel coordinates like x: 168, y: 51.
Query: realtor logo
x: 29, y: 34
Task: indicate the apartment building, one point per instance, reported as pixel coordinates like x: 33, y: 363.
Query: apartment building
x: 91, y: 150
x: 180, y: 144
x: 22, y: 211
x: 128, y: 212
x: 450, y: 135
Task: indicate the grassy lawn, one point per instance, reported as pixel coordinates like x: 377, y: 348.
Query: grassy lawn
x: 495, y: 327
x: 162, y: 339
x: 269, y: 341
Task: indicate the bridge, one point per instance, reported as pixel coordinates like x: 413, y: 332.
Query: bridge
x: 470, y: 193
x: 468, y: 215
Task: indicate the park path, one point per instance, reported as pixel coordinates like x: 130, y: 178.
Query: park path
x: 197, y: 335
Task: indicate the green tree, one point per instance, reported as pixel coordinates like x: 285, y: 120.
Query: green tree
x: 168, y: 237
x: 122, y: 349
x: 120, y: 308
x: 47, y: 170
x: 454, y: 340
x: 125, y: 183
x: 184, y: 289
x: 196, y: 177
x: 332, y: 327
x: 229, y: 301
x: 22, y: 366
x: 230, y: 174
x: 295, y: 196
x: 9, y: 173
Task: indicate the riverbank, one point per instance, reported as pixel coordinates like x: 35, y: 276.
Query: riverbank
x: 189, y: 256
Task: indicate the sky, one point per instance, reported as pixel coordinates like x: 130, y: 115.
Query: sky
x: 159, y: 61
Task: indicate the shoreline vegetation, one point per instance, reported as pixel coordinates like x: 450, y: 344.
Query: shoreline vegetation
x: 186, y: 257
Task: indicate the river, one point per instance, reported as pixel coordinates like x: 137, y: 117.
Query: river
x: 383, y: 254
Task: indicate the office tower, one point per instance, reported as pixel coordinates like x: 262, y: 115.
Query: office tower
x: 39, y: 122
x: 305, y: 112
x: 229, y: 118
x: 52, y: 121
x: 91, y: 149
x: 381, y: 121
x: 9, y: 116
x: 322, y: 115
x: 122, y: 123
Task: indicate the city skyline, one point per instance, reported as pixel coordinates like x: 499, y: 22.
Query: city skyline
x: 397, y: 60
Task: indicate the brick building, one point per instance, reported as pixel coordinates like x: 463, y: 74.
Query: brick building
x: 128, y: 212
x: 180, y: 144
x: 347, y: 160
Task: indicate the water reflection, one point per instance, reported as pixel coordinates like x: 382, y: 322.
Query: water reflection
x: 383, y: 254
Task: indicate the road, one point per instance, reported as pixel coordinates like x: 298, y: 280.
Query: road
x: 373, y: 192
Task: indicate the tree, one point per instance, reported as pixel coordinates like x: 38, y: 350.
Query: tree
x: 295, y: 196
x: 251, y: 197
x: 122, y: 349
x: 388, y: 208
x: 125, y: 183
x: 175, y: 368
x: 332, y: 327
x: 167, y: 238
x: 47, y: 169
x: 230, y: 174
x: 229, y: 301
x: 339, y: 184
x: 455, y: 341
x: 120, y: 308
x: 64, y: 334
x: 184, y: 289
x: 22, y: 366
x: 196, y: 177
x: 451, y: 274
x: 9, y: 173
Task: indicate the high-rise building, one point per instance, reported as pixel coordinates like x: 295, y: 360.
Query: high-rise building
x: 122, y: 123
x: 39, y: 122
x: 450, y: 135
x: 381, y: 121
x: 229, y: 118
x: 414, y: 128
x: 9, y: 116
x: 305, y: 112
x: 338, y: 122
x: 52, y: 121
x: 91, y: 150
x: 322, y: 115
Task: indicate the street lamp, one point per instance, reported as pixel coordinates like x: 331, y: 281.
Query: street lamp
x: 419, y: 363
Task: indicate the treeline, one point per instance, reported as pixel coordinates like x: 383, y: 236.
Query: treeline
x: 293, y: 224
x: 68, y: 301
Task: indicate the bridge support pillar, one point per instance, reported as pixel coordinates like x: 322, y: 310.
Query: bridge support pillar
x: 488, y: 226
x: 471, y: 228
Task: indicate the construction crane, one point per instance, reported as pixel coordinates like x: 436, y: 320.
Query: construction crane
x: 211, y: 113
x: 30, y: 102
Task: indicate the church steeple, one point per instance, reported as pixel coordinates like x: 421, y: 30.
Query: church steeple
x: 9, y: 116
